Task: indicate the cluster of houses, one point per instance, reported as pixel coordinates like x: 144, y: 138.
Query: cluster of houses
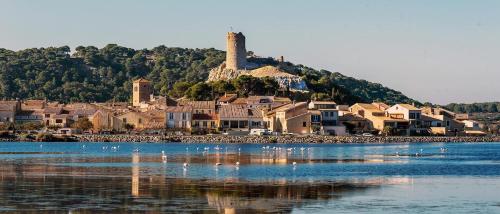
x: 231, y: 114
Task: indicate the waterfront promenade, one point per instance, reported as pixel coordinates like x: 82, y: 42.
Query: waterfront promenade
x: 278, y: 139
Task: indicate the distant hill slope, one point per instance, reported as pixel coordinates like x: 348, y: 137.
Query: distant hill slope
x: 487, y: 107
x: 92, y: 74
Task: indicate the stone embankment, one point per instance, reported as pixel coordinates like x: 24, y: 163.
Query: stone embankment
x: 277, y: 139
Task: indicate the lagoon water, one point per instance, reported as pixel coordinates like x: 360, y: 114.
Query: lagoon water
x: 276, y: 178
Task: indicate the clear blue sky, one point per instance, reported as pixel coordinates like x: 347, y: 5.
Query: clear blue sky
x: 440, y: 51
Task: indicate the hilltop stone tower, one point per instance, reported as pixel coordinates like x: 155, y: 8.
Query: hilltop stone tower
x: 236, y: 54
x: 141, y: 91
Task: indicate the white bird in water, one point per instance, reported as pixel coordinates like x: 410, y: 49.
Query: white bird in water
x: 163, y: 156
x: 237, y: 163
x: 294, y: 163
x: 185, y: 165
x: 218, y: 164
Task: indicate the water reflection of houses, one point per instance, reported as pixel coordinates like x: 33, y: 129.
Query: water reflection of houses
x: 135, y: 174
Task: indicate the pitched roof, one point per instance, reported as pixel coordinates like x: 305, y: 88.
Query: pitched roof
x: 289, y: 106
x: 228, y: 97
x: 240, y: 101
x: 212, y: 116
x: 52, y: 110
x: 235, y: 111
x: 368, y: 106
x: 324, y: 102
x: 198, y: 104
x: 141, y: 80
x: 408, y: 106
x: 178, y: 109
x: 33, y: 104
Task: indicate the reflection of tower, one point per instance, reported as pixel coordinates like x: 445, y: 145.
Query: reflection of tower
x: 141, y: 91
x: 236, y: 55
x: 135, y: 174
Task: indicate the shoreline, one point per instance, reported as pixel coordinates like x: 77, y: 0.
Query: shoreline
x: 283, y: 139
x: 309, y: 139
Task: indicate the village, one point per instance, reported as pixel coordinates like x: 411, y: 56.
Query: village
x: 233, y: 115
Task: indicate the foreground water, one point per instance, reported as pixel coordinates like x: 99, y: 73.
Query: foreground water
x: 249, y: 178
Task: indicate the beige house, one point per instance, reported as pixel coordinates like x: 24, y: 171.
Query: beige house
x: 375, y: 113
x: 8, y: 110
x: 441, y: 121
x: 178, y: 117
x: 328, y: 113
x: 240, y: 118
x: 410, y: 113
x: 150, y: 120
x: 51, y: 118
x: 290, y: 118
x: 204, y: 115
x: 105, y: 120
x: 31, y: 111
x: 355, y: 124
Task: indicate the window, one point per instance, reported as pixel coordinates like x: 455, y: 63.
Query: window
x: 136, y: 88
x: 243, y: 124
x: 205, y: 124
x: 212, y: 124
x: 255, y: 123
x: 304, y: 124
x: 184, y: 124
x: 124, y: 120
x: 170, y: 116
x: 59, y: 121
x: 234, y: 124
x: 447, y: 123
x: 47, y: 115
x: 418, y: 115
x: 412, y: 116
x: 139, y: 120
x: 183, y: 116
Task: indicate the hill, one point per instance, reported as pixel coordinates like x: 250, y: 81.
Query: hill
x: 91, y: 74
x: 487, y: 107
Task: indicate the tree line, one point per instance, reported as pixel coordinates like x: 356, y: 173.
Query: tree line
x: 91, y: 74
x: 487, y: 107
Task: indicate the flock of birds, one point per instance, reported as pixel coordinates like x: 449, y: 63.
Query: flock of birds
x: 217, y: 148
x: 185, y: 165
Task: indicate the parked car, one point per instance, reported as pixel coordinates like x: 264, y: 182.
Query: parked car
x: 259, y: 132
x: 368, y: 135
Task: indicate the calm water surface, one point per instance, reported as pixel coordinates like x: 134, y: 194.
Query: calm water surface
x: 295, y: 178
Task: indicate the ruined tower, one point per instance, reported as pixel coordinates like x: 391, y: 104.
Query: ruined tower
x: 236, y: 55
x: 141, y: 91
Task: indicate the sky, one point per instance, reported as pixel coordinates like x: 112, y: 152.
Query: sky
x: 433, y: 51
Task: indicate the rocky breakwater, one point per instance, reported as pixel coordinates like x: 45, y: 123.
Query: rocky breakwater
x: 277, y: 139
